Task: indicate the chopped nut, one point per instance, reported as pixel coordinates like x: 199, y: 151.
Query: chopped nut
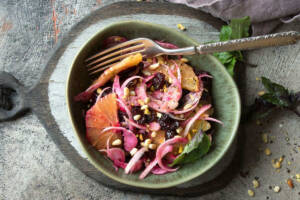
x: 181, y: 27
x: 147, y: 112
x: 276, y: 189
x: 116, y: 142
x: 179, y: 130
x: 152, y: 146
x: 281, y: 159
x: 290, y: 183
x: 260, y: 93
x: 277, y: 165
x: 133, y: 151
x: 146, y: 73
x: 255, y: 183
x: 159, y: 115
x: 264, y: 137
x: 154, y: 66
x: 187, y: 106
x: 99, y: 90
x: 141, y: 102
x: 132, y: 93
x: 194, y: 130
x: 180, y: 149
x: 147, y: 100
x: 153, y: 134
x: 184, y: 60
x: 126, y: 92
x: 267, y: 151
x: 144, y: 107
x: 148, y: 141
x: 189, y: 136
x: 141, y: 137
x: 250, y: 193
x: 137, y: 117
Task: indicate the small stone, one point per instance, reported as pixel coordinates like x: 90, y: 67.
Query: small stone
x: 255, y: 183
x: 268, y: 151
x: 276, y: 189
x: 250, y: 193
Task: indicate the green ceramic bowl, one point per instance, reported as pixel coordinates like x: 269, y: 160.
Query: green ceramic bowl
x: 225, y: 99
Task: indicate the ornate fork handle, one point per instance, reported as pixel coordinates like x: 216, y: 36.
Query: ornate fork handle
x: 277, y: 39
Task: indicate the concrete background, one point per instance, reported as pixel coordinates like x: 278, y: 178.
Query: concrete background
x: 32, y: 167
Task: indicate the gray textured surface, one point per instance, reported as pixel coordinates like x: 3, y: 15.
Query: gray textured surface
x: 31, y: 166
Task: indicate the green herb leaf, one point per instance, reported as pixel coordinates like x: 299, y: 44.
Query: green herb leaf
x: 277, y: 97
x: 194, y: 150
x: 225, y: 33
x: 237, y: 28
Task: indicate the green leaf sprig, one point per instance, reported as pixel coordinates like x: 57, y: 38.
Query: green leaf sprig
x: 237, y: 28
x: 194, y: 150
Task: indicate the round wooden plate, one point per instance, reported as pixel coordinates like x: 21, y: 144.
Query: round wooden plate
x: 47, y: 98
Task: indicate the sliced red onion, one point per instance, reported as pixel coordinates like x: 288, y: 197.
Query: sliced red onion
x: 164, y: 148
x: 130, y: 140
x: 174, y: 117
x: 135, y: 124
x: 117, y: 88
x: 154, y: 126
x: 158, y: 171
x: 192, y: 120
x: 102, y: 91
x: 141, y: 91
x: 137, y: 156
x: 166, y: 45
x: 127, y: 110
x: 128, y: 80
x: 148, y: 169
x: 213, y: 119
x: 204, y: 75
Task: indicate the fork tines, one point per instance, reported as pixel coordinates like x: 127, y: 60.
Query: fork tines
x: 108, y: 57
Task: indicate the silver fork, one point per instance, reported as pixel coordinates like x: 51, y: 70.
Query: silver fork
x: 149, y: 48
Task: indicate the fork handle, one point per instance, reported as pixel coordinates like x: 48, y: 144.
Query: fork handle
x: 277, y: 39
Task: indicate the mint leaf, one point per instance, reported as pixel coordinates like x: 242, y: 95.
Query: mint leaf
x: 194, y: 150
x: 240, y: 27
x: 230, y: 66
x: 277, y: 97
x: 225, y: 33
x: 237, y: 28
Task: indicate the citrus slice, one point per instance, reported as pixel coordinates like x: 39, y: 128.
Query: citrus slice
x: 103, y: 114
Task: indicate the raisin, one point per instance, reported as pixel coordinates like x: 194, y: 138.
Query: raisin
x: 170, y: 134
x: 158, y: 81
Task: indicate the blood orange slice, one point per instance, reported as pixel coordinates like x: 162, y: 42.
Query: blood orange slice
x: 101, y: 115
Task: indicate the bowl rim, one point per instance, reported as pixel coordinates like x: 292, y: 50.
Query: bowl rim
x: 182, y: 179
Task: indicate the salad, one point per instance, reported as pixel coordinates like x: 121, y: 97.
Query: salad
x: 149, y: 115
